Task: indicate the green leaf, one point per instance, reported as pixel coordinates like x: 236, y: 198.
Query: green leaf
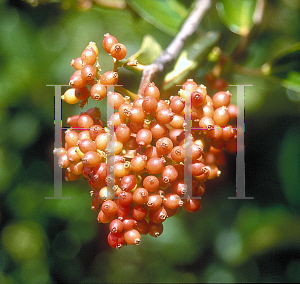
x: 190, y: 58
x: 285, y: 68
x: 166, y: 15
x: 237, y: 15
x: 149, y: 51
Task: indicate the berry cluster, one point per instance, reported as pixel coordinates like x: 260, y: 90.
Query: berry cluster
x: 149, y: 157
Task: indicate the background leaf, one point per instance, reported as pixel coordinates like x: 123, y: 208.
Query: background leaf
x: 168, y: 16
x: 285, y: 68
x: 237, y: 15
x: 149, y: 51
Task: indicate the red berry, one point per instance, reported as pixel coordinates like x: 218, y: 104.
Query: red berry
x: 118, y: 51
x: 132, y: 237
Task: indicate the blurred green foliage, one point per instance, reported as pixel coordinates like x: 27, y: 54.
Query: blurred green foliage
x: 60, y: 241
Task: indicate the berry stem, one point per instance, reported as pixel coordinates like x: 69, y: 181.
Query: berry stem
x: 126, y: 92
x: 172, y: 51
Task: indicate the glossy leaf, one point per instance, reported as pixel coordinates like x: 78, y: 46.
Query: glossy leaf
x: 190, y: 58
x: 285, y: 68
x: 237, y: 15
x: 149, y: 51
x: 166, y: 15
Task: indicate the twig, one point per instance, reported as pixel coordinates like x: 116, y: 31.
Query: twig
x: 172, y: 51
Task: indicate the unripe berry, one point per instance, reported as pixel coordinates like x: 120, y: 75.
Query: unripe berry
x: 70, y: 96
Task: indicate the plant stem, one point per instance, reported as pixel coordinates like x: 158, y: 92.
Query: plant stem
x: 172, y: 51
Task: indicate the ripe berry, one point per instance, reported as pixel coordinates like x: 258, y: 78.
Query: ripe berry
x: 91, y: 159
x: 154, y: 201
x: 108, y: 42
x: 169, y: 174
x: 172, y: 200
x: 132, y: 237
x: 151, y: 152
x: 115, y: 240
x: 215, y: 133
x: 115, y: 99
x: 221, y: 116
x: 228, y: 133
x: 192, y: 205
x: 109, y: 78
x: 98, y: 92
x: 208, y: 110
x: 94, y: 46
x: 103, y: 218
x: 85, y: 134
x: 131, y: 143
x: 138, y: 163
x: 221, y: 99
x: 122, y: 169
x: 142, y: 226
x: 85, y: 121
x: 158, y: 130
x: 197, y: 98
x: 129, y: 223
x: 82, y: 94
x: 149, y: 104
x: 77, y: 63
x: 151, y: 183
x: 88, y: 72
x: 140, y: 196
x: 189, y: 85
x: 177, y: 104
x: 137, y: 115
x: 152, y: 91
x: 71, y: 137
x: 144, y: 137
x: 100, y: 171
x: 155, y: 229
x: 158, y: 215
x: 95, y: 130
x: 179, y: 187
x: 63, y: 161
x: 109, y: 207
x: 164, y: 145
x: 233, y: 111
x: 177, y: 154
x: 139, y: 212
x: 89, y: 56
x: 116, y: 226
x: 128, y: 182
x: 206, y: 123
x: 123, y: 211
x: 123, y: 133
x: 118, y: 51
x: 125, y: 198
x: 86, y: 145
x: 164, y: 115
x: 73, y: 120
x: 155, y: 166
x: 177, y: 121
